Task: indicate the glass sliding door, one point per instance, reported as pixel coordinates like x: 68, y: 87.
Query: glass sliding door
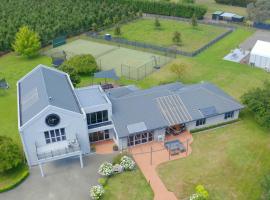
x: 98, y: 136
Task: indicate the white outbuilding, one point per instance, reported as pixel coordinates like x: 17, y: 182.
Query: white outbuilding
x: 260, y: 55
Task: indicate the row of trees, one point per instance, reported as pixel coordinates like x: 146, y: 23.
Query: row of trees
x: 53, y: 18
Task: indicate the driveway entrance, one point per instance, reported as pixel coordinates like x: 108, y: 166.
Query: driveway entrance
x: 64, y: 180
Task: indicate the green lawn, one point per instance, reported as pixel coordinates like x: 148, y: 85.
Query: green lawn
x: 129, y: 185
x: 144, y: 30
x: 13, y: 68
x: 230, y: 162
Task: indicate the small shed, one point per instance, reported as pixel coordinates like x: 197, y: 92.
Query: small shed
x: 237, y: 18
x: 226, y: 16
x: 107, y: 36
x: 260, y: 55
x: 215, y: 15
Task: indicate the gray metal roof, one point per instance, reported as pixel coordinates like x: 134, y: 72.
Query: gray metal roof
x: 44, y: 86
x: 167, y: 105
x: 173, y: 109
x: 121, y: 91
x: 136, y: 109
x: 90, y: 96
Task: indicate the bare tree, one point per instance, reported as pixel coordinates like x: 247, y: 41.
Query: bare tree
x: 178, y: 70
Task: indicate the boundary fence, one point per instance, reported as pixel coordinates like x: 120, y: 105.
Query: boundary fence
x: 166, y: 50
x: 138, y: 73
x: 261, y: 25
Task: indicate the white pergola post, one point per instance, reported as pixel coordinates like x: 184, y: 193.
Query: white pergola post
x: 41, y: 170
x: 81, y: 161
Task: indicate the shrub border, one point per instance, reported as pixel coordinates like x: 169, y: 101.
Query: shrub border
x: 24, y: 175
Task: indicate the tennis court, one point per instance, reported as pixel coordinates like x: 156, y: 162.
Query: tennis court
x: 125, y: 61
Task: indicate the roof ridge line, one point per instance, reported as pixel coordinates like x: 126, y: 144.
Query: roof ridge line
x: 227, y: 99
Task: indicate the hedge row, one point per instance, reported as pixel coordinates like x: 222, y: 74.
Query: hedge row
x: 168, y: 8
x: 22, y: 177
x: 242, y: 3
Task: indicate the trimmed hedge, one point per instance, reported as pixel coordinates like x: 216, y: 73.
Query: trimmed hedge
x: 22, y: 177
x: 168, y: 8
x: 242, y: 3
x: 214, y: 126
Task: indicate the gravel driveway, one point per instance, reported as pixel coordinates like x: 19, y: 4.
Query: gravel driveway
x: 64, y: 180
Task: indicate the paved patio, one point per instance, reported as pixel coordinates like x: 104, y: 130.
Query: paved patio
x: 64, y: 180
x: 104, y: 147
x: 148, y: 163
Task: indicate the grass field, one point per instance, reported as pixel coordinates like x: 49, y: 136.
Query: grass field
x: 122, y: 187
x: 108, y: 56
x: 144, y: 30
x: 230, y: 162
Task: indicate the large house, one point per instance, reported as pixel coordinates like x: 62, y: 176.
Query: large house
x: 57, y: 121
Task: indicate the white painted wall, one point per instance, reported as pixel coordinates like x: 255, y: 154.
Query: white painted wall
x: 260, y: 61
x: 212, y: 121
x: 33, y: 132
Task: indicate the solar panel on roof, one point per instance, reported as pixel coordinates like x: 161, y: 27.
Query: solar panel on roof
x: 209, y: 111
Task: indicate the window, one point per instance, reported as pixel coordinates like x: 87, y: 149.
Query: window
x: 200, y: 122
x: 55, y: 135
x: 100, y: 135
x: 229, y: 115
x: 97, y: 117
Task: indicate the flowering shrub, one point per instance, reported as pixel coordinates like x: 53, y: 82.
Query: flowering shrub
x: 201, y: 194
x: 106, y: 169
x: 96, y: 192
x: 127, y: 163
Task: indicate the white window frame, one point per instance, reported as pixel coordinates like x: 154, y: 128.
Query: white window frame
x: 55, y: 135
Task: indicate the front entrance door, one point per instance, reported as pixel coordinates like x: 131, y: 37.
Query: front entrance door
x: 140, y: 138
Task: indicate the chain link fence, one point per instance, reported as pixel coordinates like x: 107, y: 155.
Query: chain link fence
x: 138, y: 73
x: 166, y: 50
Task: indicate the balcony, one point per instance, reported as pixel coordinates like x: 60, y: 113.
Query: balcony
x: 58, y: 150
x: 107, y: 123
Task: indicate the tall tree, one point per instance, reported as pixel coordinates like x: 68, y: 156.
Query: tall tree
x: 258, y: 102
x: 157, y: 23
x: 117, y: 30
x: 194, y: 21
x: 27, y: 42
x: 259, y: 11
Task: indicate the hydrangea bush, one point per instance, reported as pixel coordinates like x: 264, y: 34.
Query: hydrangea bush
x: 127, y: 163
x: 96, y: 192
x: 106, y: 169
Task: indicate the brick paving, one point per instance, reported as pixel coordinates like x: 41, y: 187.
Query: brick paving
x: 142, y: 156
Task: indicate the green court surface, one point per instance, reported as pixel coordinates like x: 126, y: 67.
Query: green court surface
x: 112, y: 57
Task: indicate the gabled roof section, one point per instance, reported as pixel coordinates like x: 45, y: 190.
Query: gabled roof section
x: 45, y: 86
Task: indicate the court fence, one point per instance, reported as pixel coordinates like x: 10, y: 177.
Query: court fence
x: 140, y: 72
x: 164, y: 50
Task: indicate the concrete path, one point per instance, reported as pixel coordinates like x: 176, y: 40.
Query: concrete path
x: 160, y: 155
x: 64, y: 180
